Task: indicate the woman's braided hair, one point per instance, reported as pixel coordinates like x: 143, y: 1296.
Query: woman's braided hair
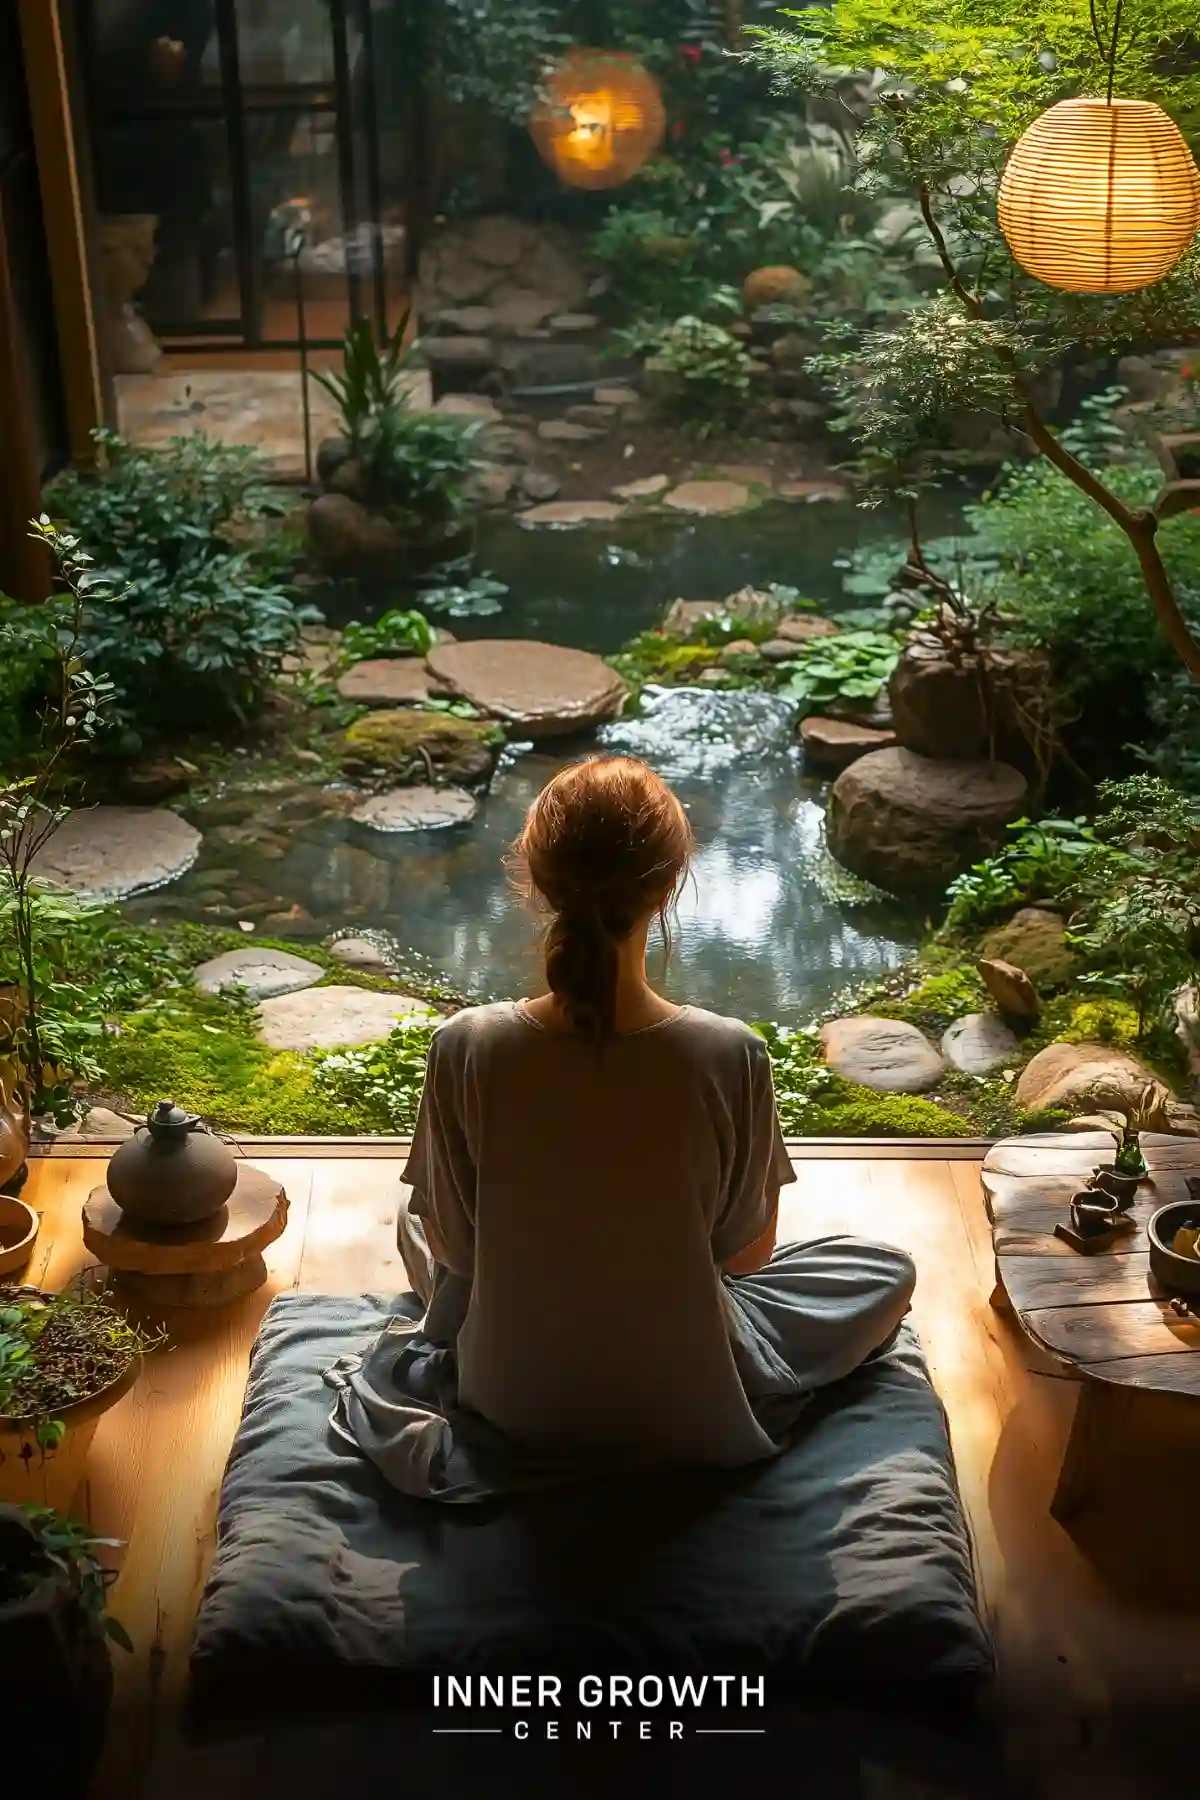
x: 605, y: 844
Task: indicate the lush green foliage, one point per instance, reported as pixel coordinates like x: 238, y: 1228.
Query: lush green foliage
x: 1040, y: 862
x: 854, y: 666
x: 394, y: 633
x: 814, y: 1102
x: 372, y: 379
x: 72, y: 1547
x: 197, y: 628
x: 701, y: 376
x: 382, y: 1082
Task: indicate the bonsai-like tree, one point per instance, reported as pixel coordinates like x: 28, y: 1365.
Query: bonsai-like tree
x: 958, y: 82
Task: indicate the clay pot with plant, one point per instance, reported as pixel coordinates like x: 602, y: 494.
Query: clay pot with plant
x: 54, y: 1635
x: 65, y: 1359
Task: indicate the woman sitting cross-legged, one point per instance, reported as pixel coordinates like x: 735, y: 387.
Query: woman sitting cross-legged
x: 595, y: 1183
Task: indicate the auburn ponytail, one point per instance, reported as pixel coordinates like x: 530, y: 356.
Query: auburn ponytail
x: 605, y: 845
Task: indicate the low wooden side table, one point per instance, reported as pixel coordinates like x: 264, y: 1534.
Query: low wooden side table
x: 203, y: 1264
x: 1104, y: 1315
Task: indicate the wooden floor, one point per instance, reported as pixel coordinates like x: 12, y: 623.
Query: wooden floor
x: 1093, y: 1629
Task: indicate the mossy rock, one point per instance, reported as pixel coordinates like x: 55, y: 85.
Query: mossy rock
x: 1034, y: 940
x: 409, y: 744
x: 940, y: 999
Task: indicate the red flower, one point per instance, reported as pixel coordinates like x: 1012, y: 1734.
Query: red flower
x: 690, y: 54
x: 677, y: 130
x: 726, y: 158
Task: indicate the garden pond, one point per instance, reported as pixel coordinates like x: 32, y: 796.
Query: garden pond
x: 769, y: 927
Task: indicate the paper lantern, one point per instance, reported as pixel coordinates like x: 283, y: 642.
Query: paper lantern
x: 1100, y: 197
x: 600, y: 119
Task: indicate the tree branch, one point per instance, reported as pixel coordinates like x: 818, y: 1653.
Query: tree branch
x: 957, y: 286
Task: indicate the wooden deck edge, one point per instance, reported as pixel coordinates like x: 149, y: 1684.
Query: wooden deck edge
x: 375, y: 1148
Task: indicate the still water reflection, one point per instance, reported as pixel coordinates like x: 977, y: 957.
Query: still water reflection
x: 760, y: 932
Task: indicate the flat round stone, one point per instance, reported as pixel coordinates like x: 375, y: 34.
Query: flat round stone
x: 111, y: 852
x: 567, y: 431
x: 572, y: 322
x: 544, y: 690
x: 648, y: 487
x: 258, y: 973
x: 888, y: 1055
x: 709, y: 497
x: 387, y: 681
x: 416, y: 809
x: 331, y: 1018
x: 570, y: 512
x: 836, y: 743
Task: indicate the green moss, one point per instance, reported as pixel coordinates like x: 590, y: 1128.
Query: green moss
x: 1100, y: 1021
x: 939, y: 999
x: 868, y: 1114
x: 652, y: 656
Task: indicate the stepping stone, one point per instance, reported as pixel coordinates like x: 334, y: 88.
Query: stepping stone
x: 808, y: 491
x: 888, y: 1055
x: 592, y: 413
x: 465, y: 321
x: 416, y: 809
x: 799, y: 628
x: 469, y: 406
x: 979, y: 1043
x: 330, y: 1018
x: 260, y: 974
x: 573, y: 322
x: 543, y: 690
x: 522, y: 310
x: 709, y: 497
x: 566, y: 431
x: 749, y: 474
x: 616, y: 396
x: 570, y: 512
x: 111, y: 852
x: 459, y: 352
x: 836, y: 743
x: 648, y: 487
x: 387, y: 681
x: 360, y: 953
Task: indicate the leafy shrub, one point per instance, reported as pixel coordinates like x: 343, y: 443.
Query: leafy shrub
x: 854, y: 665
x: 381, y: 1081
x: 198, y: 629
x: 652, y: 656
x: 702, y: 375
x: 1040, y: 861
x: 1172, y: 747
x: 394, y: 633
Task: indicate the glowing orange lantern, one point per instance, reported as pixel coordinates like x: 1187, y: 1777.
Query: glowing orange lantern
x: 1100, y: 196
x: 600, y: 119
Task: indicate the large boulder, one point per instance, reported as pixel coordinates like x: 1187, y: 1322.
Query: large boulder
x: 964, y: 707
x: 410, y: 744
x: 911, y: 825
x: 110, y: 852
x: 888, y: 1055
x: 1086, y: 1078
x: 347, y: 538
x: 542, y: 690
x: 1036, y: 941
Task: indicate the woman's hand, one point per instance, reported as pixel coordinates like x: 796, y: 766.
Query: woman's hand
x: 756, y: 1255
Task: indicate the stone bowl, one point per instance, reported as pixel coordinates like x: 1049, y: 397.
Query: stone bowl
x: 1179, y: 1274
x: 18, y: 1229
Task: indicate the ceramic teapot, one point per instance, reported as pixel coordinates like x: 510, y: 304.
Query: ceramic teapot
x: 172, y: 1171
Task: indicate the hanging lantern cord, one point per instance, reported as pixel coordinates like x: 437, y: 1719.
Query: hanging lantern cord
x: 1107, y: 50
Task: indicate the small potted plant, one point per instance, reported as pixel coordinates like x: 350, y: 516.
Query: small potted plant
x: 1121, y: 1177
x: 54, y: 1632
x: 64, y: 1360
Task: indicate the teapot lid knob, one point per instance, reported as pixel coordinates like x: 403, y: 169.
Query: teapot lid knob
x: 169, y: 1118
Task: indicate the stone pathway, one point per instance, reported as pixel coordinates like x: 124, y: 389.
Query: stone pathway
x: 332, y: 1017
x: 649, y: 487
x: 111, y: 852
x: 542, y: 690
x: 416, y: 809
x: 259, y: 973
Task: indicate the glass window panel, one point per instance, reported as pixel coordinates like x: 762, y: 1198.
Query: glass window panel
x: 293, y: 165
x: 151, y: 53
x: 177, y: 170
x: 281, y: 42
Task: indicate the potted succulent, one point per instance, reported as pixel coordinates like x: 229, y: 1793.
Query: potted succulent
x: 65, y: 1358
x: 54, y: 1633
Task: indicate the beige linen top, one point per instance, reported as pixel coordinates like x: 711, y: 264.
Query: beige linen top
x: 589, y: 1201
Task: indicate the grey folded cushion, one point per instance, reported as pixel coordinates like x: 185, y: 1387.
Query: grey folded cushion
x: 843, y: 1562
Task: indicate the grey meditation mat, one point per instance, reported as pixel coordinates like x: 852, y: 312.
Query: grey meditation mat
x: 843, y: 1563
